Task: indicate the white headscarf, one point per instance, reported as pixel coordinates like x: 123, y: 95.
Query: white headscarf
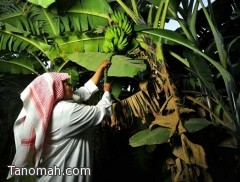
x: 38, y: 98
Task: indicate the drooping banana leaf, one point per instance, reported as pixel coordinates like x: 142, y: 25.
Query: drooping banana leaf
x: 200, y: 69
x: 160, y: 35
x: 121, y: 66
x: 19, y: 65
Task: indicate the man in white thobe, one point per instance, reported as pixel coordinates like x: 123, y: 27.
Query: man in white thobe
x: 57, y: 128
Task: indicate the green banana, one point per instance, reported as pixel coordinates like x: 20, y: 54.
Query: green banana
x: 121, y: 15
x: 114, y: 17
x: 123, y: 41
x: 118, y: 16
x: 116, y: 37
x: 118, y: 31
x: 124, y: 24
x: 108, y: 46
x: 120, y: 19
x: 123, y: 45
x: 109, y: 34
x: 128, y: 29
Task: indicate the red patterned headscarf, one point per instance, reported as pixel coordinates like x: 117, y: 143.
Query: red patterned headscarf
x: 39, y: 98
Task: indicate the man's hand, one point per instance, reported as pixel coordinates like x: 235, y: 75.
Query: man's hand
x: 96, y: 77
x: 107, y: 87
x: 105, y: 64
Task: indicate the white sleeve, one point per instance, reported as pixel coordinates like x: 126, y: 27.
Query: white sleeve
x: 84, y: 92
x: 84, y: 117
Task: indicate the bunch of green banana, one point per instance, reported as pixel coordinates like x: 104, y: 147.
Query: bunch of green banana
x: 120, y: 19
x: 115, y: 39
x: 117, y: 33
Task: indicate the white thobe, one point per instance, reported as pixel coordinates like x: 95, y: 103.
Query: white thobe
x: 67, y: 143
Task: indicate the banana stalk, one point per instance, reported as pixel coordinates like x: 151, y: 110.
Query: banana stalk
x: 106, y: 69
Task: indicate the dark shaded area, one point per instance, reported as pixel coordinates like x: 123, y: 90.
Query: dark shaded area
x: 223, y: 161
x: 116, y: 161
x: 10, y: 105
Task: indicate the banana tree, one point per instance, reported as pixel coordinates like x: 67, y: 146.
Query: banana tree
x: 168, y: 119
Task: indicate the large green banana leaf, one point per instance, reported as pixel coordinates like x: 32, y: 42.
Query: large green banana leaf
x: 121, y: 66
x: 77, y: 42
x: 14, y: 39
x: 95, y: 13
